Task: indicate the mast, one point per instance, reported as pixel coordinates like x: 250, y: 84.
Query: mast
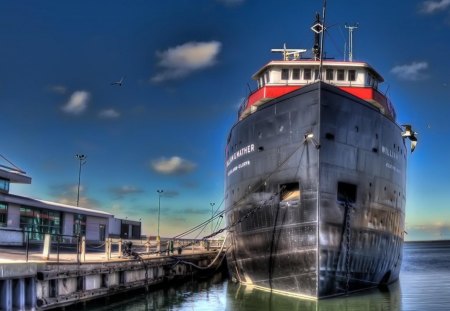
x: 318, y: 28
x: 350, y: 40
x: 324, y: 10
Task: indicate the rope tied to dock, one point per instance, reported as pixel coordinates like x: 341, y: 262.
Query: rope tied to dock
x: 210, y: 264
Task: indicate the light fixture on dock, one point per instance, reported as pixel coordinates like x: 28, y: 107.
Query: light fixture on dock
x: 212, y: 215
x: 82, y: 158
x: 159, y: 209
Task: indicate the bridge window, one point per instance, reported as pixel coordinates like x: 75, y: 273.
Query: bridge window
x: 296, y: 74
x: 316, y: 74
x: 351, y: 75
x: 307, y: 74
x: 267, y: 77
x: 284, y: 74
x: 340, y: 75
x: 330, y: 74
x: 261, y: 81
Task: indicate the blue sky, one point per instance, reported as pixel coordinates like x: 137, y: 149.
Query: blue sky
x: 186, y: 65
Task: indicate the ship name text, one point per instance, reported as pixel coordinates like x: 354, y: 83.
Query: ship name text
x: 241, y: 152
x: 237, y: 167
x: 389, y: 152
x: 392, y: 167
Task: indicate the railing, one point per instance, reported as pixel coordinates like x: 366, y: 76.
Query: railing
x: 19, y: 245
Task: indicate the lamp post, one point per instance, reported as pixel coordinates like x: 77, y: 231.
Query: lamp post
x: 82, y: 159
x: 159, y: 209
x: 212, y: 215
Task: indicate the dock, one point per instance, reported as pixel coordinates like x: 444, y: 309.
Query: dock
x: 45, y: 279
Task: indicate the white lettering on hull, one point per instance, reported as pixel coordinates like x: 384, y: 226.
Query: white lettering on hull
x: 390, y: 153
x: 392, y: 167
x: 238, y: 167
x: 241, y: 152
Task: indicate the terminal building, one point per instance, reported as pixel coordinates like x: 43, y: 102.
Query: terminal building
x: 23, y: 218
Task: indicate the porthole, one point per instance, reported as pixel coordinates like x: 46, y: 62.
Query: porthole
x: 329, y: 136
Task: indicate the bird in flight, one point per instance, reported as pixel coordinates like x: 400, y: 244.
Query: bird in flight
x: 409, y: 133
x: 119, y: 83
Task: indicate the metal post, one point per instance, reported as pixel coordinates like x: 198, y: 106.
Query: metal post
x: 57, y: 250
x: 212, y: 216
x: 81, y: 158
x: 27, y: 245
x: 159, y: 210
x: 78, y: 249
x: 83, y: 248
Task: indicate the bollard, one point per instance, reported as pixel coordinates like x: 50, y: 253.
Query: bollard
x: 46, y: 251
x: 158, y: 246
x: 83, y: 248
x: 120, y: 247
x: 107, y: 249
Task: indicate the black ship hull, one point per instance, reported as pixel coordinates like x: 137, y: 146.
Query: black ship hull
x: 315, y: 194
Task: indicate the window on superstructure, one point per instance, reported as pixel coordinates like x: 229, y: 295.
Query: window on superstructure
x: 340, y: 75
x: 3, y: 214
x: 307, y: 74
x: 267, y: 77
x: 329, y: 74
x: 284, y: 74
x: 316, y: 74
x: 351, y: 75
x: 296, y: 74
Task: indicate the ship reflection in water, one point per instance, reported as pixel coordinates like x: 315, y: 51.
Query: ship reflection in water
x: 424, y: 285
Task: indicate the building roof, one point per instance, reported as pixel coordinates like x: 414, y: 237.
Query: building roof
x: 13, y: 175
x: 20, y: 200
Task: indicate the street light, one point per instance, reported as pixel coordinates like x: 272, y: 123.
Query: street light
x: 82, y: 159
x: 212, y: 215
x: 159, y: 209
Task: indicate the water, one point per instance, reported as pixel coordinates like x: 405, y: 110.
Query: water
x: 424, y: 285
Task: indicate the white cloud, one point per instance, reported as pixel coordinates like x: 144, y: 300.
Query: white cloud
x: 109, y: 114
x: 430, y: 7
x: 413, y: 71
x: 173, y: 166
x: 77, y: 102
x: 59, y: 89
x: 179, y: 61
x: 122, y: 191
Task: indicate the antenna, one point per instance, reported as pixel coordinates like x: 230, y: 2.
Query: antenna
x: 350, y: 40
x: 289, y: 54
x: 322, y: 37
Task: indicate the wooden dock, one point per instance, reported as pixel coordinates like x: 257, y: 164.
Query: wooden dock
x: 46, y: 283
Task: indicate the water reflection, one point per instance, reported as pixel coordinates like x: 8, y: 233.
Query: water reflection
x: 424, y: 285
x: 246, y: 298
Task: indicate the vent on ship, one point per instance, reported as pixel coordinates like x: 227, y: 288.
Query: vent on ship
x: 290, y: 194
x: 346, y: 192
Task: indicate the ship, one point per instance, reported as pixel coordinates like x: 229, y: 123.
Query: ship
x: 315, y: 178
